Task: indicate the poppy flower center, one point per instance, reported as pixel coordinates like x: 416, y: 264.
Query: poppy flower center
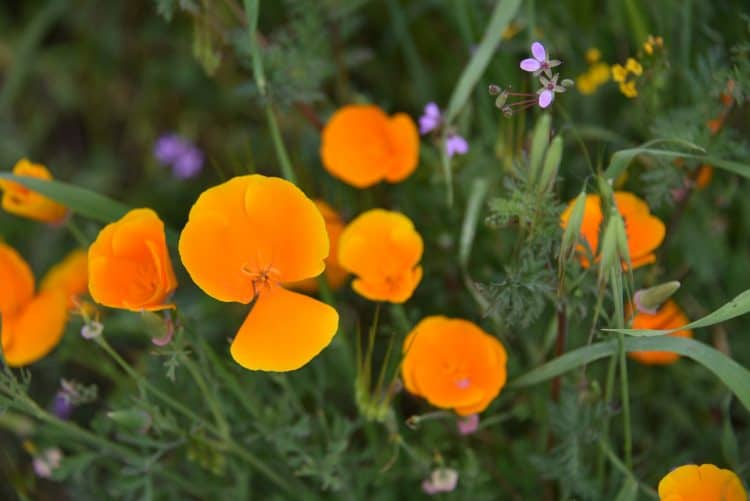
x: 261, y: 278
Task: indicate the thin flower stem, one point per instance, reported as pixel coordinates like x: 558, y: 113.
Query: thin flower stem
x: 141, y: 381
x: 78, y: 235
x: 278, y: 142
x: 399, y: 316
x: 617, y: 290
x: 213, y: 404
x: 607, y: 450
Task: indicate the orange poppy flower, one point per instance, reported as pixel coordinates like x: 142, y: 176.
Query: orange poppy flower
x: 453, y: 364
x: 243, y: 239
x: 335, y: 274
x: 31, y: 325
x: 16, y: 281
x: 36, y: 329
x: 383, y: 249
x: 21, y: 201
x: 69, y: 276
x: 645, y: 232
x: 129, y: 265
x: 362, y: 146
x: 669, y: 316
x: 701, y: 483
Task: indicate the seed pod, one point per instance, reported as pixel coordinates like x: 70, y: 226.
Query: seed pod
x: 551, y: 165
x: 539, y: 142
x: 573, y: 228
x: 649, y: 300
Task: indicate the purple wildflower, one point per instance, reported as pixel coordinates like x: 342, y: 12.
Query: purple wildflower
x: 431, y: 119
x: 539, y: 62
x: 548, y: 90
x: 185, y: 159
x: 456, y: 145
x: 47, y: 462
x: 62, y: 406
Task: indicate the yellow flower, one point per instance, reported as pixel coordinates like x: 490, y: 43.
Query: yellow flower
x: 652, y: 43
x: 634, y: 67
x: 593, y: 55
x: 619, y: 73
x: 597, y: 75
x: 701, y: 483
x: 383, y: 250
x: 628, y: 89
x: 21, y: 201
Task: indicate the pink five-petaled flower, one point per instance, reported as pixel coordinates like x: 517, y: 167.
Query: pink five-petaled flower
x: 456, y: 145
x: 548, y: 90
x: 539, y: 62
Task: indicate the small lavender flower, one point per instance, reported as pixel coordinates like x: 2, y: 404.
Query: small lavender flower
x: 185, y: 159
x: 548, y: 90
x: 456, y: 145
x: 47, y: 462
x: 169, y: 148
x: 188, y: 164
x: 539, y: 62
x: 431, y: 118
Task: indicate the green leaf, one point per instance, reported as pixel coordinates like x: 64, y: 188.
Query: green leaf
x: 477, y: 195
x: 503, y: 13
x: 539, y: 142
x: 629, y: 490
x: 85, y: 202
x: 732, y: 374
x: 734, y: 308
x: 621, y: 159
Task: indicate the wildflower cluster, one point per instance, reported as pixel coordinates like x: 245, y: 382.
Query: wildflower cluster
x: 597, y: 75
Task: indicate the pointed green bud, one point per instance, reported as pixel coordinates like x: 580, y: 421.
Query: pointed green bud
x: 649, y: 300
x: 131, y: 419
x: 551, y: 164
x: 501, y: 99
x: 608, y: 248
x: 539, y: 142
x: 573, y: 228
x: 605, y: 189
x: 622, y: 239
x: 567, y: 82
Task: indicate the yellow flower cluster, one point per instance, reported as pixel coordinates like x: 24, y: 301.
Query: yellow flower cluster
x: 627, y: 75
x: 597, y: 74
x: 653, y: 43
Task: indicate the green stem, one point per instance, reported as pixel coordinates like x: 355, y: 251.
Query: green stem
x: 141, y: 381
x: 399, y: 316
x: 278, y: 143
x: 213, y: 404
x: 78, y: 234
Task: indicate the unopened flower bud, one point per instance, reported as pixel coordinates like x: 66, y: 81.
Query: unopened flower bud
x: 501, y: 99
x: 494, y: 90
x: 440, y: 480
x: 649, y: 300
x: 92, y: 329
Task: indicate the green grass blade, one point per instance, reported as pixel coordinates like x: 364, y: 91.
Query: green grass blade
x: 503, y: 13
x: 740, y: 305
x: 85, y: 202
x: 732, y: 374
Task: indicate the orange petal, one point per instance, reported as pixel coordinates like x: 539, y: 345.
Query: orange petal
x: 36, y: 330
x: 404, y: 140
x: 283, y: 331
x: 19, y: 200
x: 669, y: 316
x: 250, y: 225
x: 645, y: 233
x: 16, y: 280
x: 453, y: 364
x: 355, y: 145
x: 383, y: 250
x: 129, y: 265
x: 701, y: 483
x: 69, y: 276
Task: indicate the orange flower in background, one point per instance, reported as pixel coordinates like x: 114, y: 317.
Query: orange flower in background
x: 31, y: 325
x: 16, y: 281
x: 453, y: 364
x: 704, y: 176
x: 701, y: 483
x: 335, y: 274
x: 243, y: 240
x: 69, y: 276
x: 129, y: 265
x: 645, y: 232
x: 669, y: 316
x: 383, y: 250
x: 362, y: 146
x: 21, y: 201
